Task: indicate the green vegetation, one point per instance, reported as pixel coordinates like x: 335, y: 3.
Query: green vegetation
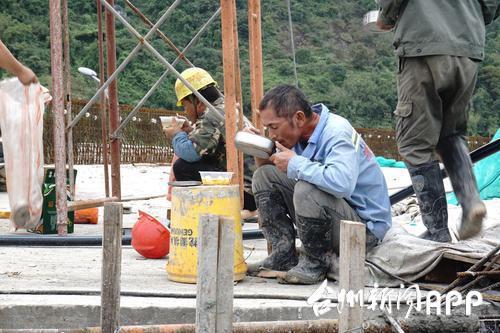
x: 339, y: 64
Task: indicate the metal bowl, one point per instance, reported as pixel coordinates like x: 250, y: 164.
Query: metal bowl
x: 370, y: 21
x: 254, y: 145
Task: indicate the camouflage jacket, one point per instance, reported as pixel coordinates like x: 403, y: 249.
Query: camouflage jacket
x: 208, y: 135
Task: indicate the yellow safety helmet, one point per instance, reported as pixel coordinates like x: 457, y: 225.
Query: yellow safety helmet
x: 197, y: 77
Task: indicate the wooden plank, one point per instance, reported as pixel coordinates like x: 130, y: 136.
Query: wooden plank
x: 225, y: 276
x: 84, y: 204
x: 352, y: 263
x: 458, y: 257
x: 111, y: 267
x: 206, y: 293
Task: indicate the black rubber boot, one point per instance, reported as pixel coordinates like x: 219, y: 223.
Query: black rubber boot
x: 278, y: 230
x: 458, y: 164
x: 317, y: 244
x: 429, y: 189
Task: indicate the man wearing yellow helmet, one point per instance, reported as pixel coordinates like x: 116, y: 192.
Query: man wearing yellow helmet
x: 202, y: 147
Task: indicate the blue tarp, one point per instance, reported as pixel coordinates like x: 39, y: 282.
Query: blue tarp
x: 389, y: 162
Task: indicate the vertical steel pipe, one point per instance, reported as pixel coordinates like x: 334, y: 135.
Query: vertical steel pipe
x: 255, y: 57
x: 67, y: 76
x: 58, y: 109
x: 114, y: 113
x: 229, y: 61
x: 102, y: 101
x: 292, y: 42
x: 239, y: 98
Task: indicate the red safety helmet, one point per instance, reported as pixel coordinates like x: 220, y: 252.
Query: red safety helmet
x: 149, y: 237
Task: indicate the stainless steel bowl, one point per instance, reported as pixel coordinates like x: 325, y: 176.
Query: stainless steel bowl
x: 254, y: 145
x: 370, y: 21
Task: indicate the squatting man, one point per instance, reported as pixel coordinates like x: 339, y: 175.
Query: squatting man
x: 322, y: 173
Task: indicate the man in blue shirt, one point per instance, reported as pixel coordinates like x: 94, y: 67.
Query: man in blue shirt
x: 322, y: 173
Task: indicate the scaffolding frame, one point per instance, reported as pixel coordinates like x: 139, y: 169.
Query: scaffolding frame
x: 232, y: 86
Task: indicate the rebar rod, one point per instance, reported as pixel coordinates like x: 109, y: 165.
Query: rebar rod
x: 476, y: 266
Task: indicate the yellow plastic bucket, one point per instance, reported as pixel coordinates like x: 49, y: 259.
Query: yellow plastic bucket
x: 188, y: 203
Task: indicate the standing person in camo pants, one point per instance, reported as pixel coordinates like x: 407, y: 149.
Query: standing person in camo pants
x: 439, y: 45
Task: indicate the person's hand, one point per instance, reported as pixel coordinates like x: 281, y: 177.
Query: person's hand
x: 186, y: 125
x: 251, y: 129
x: 26, y: 76
x: 382, y: 26
x: 171, y: 131
x: 47, y: 97
x: 282, y: 157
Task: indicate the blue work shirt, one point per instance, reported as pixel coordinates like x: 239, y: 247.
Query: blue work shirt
x: 338, y: 161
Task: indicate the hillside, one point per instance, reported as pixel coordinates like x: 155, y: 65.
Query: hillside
x: 339, y: 64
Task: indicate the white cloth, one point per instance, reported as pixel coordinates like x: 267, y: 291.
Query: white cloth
x: 21, y: 120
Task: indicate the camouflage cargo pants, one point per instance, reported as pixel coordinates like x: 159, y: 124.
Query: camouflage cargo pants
x: 433, y: 97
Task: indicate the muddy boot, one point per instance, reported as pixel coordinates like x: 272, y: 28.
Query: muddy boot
x: 458, y: 164
x: 428, y: 185
x: 317, y: 245
x: 278, y: 230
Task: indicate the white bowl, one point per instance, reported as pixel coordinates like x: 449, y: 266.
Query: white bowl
x: 216, y: 177
x: 167, y: 121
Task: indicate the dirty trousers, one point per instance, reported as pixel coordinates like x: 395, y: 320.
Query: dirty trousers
x: 433, y: 97
x: 304, y: 200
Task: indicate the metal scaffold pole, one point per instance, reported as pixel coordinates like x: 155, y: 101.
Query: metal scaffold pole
x: 255, y: 57
x: 102, y: 100
x: 56, y: 62
x: 67, y: 76
x: 114, y: 113
x: 239, y: 97
x: 229, y: 61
